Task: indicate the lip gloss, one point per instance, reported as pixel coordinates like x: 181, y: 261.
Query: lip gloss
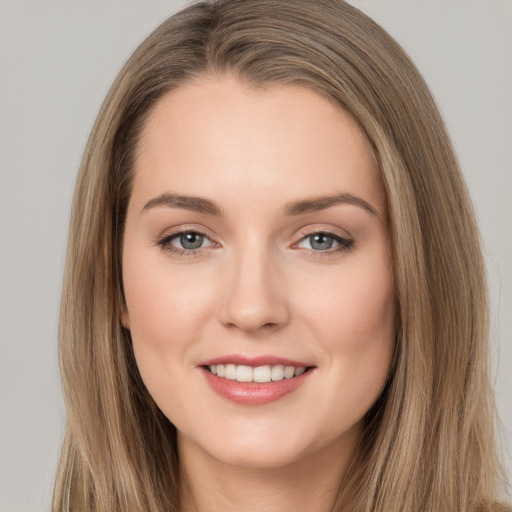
x: 253, y: 393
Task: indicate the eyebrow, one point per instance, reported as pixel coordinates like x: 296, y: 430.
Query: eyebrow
x: 209, y: 207
x: 324, y: 202
x: 196, y: 204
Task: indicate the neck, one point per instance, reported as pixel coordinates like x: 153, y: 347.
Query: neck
x: 310, y: 483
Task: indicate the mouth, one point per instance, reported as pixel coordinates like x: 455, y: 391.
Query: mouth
x: 255, y: 381
x: 260, y: 374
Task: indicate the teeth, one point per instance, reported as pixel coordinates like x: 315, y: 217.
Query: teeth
x: 242, y: 373
x: 230, y: 372
x: 278, y: 372
x: 299, y: 371
x: 262, y: 374
x: 289, y: 372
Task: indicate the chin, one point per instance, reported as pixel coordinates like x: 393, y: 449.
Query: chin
x: 261, y: 449
x: 258, y: 457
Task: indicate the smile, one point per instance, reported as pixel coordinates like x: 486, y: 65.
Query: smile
x: 261, y: 374
x: 255, y: 381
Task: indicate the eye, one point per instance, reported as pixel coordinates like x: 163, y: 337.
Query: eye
x: 321, y: 241
x: 190, y: 240
x: 185, y: 242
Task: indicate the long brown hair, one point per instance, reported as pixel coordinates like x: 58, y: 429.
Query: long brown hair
x: 428, y: 444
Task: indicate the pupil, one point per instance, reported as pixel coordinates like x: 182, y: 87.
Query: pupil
x: 321, y: 241
x: 191, y: 240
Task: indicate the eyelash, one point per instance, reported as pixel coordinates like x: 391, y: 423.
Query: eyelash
x: 345, y: 244
x: 165, y: 244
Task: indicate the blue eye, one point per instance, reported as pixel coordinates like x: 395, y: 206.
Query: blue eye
x: 321, y: 241
x: 325, y: 242
x: 191, y: 240
x: 185, y: 242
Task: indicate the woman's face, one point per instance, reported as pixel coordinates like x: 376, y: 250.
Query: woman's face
x: 257, y: 248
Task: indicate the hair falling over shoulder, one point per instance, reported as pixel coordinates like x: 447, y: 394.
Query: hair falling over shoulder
x: 429, y: 442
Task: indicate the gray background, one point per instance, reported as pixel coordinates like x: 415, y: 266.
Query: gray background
x: 57, y: 60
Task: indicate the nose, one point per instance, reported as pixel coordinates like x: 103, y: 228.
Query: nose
x: 254, y: 298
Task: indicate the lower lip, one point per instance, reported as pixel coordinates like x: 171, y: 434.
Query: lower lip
x: 253, y: 393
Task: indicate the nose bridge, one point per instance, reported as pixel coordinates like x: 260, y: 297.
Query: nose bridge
x: 254, y: 295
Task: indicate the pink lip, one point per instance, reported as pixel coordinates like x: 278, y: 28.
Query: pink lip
x: 263, y: 360
x: 253, y: 393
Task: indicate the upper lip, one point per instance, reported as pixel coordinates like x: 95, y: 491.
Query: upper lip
x: 262, y: 360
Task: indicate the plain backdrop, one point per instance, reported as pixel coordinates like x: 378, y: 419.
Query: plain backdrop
x: 57, y: 60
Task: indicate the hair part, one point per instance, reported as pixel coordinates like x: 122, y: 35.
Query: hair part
x: 429, y: 441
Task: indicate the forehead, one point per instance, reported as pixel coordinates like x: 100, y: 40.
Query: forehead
x: 219, y: 136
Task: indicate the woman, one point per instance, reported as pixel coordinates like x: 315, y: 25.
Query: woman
x: 274, y: 294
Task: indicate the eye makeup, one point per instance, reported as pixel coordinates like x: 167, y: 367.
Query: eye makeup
x: 192, y: 242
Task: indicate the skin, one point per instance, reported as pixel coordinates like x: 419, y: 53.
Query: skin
x: 258, y: 286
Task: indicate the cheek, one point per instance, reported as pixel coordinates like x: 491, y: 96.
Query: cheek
x: 358, y: 301
x: 352, y: 315
x: 161, y: 303
x: 166, y: 313
x: 354, y: 323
